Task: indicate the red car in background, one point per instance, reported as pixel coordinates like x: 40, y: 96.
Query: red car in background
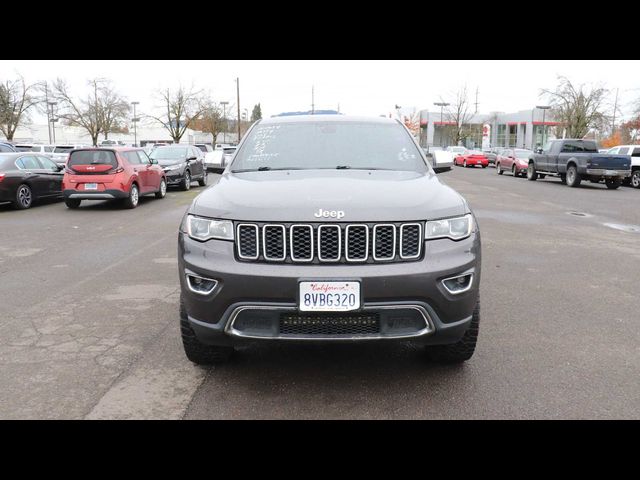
x: 110, y: 174
x: 471, y: 158
x: 514, y: 160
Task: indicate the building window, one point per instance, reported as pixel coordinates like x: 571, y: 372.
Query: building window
x: 513, y: 135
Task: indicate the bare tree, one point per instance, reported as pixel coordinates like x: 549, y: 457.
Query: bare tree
x: 181, y: 108
x: 85, y: 113
x: 577, y: 109
x: 460, y: 113
x: 210, y: 119
x: 16, y: 98
x: 114, y: 110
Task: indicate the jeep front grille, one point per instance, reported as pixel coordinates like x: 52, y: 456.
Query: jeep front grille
x: 326, y: 243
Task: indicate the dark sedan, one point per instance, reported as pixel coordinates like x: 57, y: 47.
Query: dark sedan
x: 27, y: 177
x: 182, y: 164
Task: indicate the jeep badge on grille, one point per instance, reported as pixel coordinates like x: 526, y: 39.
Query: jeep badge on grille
x: 329, y: 214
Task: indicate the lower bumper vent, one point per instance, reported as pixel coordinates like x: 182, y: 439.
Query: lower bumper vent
x: 330, y: 324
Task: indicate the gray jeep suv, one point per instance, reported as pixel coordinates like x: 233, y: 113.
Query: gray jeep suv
x: 329, y: 228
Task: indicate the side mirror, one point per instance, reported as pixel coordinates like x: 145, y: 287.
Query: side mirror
x: 60, y: 168
x: 153, y: 161
x: 191, y: 159
x: 538, y: 150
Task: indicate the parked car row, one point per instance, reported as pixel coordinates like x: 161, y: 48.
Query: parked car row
x: 571, y: 160
x: 99, y: 173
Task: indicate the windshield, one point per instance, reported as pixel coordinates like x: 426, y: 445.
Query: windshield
x: 229, y: 151
x: 169, y: 153
x: 203, y: 148
x: 329, y: 145
x: 62, y: 149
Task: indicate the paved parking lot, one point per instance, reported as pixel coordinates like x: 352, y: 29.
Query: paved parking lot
x: 89, y: 329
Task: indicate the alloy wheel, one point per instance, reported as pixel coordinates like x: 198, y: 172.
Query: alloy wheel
x: 24, y: 196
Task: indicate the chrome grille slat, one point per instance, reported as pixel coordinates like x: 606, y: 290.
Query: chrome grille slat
x: 274, y: 243
x: 330, y: 242
x: 384, y: 242
x: 301, y: 243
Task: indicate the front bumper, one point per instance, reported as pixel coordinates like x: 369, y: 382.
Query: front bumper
x: 174, y: 177
x: 263, y: 291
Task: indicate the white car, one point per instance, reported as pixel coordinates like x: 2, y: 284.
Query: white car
x: 219, y: 159
x: 439, y: 158
x: 34, y: 147
x: 634, y: 152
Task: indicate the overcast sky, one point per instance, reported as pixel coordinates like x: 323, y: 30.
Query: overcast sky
x: 369, y: 87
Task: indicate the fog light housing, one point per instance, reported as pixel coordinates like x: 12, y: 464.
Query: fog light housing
x: 458, y: 284
x: 200, y: 285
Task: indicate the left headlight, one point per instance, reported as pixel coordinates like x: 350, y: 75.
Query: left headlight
x: 455, y: 228
x: 174, y: 167
x: 203, y: 229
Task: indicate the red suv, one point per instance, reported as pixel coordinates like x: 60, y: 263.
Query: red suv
x: 111, y: 173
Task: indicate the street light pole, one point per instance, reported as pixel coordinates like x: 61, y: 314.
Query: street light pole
x: 135, y: 124
x: 53, y: 120
x: 441, y: 105
x: 224, y: 118
x: 238, y: 106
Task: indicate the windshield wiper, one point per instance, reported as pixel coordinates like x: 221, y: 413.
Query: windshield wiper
x: 349, y: 167
x: 265, y: 168
x: 343, y: 167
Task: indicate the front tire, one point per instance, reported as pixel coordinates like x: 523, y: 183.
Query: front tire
x: 532, y: 175
x: 24, y: 197
x: 162, y: 191
x: 613, y: 183
x: 573, y: 177
x: 72, y: 203
x: 498, y: 169
x: 463, y: 349
x: 196, y: 351
x: 635, y: 179
x: 203, y: 181
x: 186, y: 181
x: 134, y: 197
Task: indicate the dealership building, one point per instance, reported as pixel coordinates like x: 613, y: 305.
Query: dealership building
x: 523, y: 129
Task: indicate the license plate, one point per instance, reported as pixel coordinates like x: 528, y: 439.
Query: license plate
x: 610, y: 173
x: 329, y: 296
x: 90, y: 186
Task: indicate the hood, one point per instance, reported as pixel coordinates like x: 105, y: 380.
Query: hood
x: 296, y: 195
x: 171, y: 161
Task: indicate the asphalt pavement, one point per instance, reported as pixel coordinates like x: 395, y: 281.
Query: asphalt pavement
x: 89, y: 322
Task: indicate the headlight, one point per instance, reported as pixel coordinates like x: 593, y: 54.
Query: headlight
x: 455, y: 228
x: 173, y: 167
x: 203, y: 229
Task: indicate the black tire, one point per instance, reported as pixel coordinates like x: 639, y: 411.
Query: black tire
x: 573, y: 177
x: 563, y: 179
x: 613, y: 183
x: 24, y: 197
x: 514, y: 170
x: 134, y: 197
x: 464, y: 163
x: 499, y: 170
x: 196, y: 351
x: 540, y: 176
x: 532, y: 175
x: 203, y: 181
x: 463, y: 349
x: 186, y: 181
x: 162, y: 191
x: 635, y: 179
x: 72, y: 202
x: 485, y: 166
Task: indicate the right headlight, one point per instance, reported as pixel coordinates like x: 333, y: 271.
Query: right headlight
x: 455, y: 228
x: 203, y: 229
